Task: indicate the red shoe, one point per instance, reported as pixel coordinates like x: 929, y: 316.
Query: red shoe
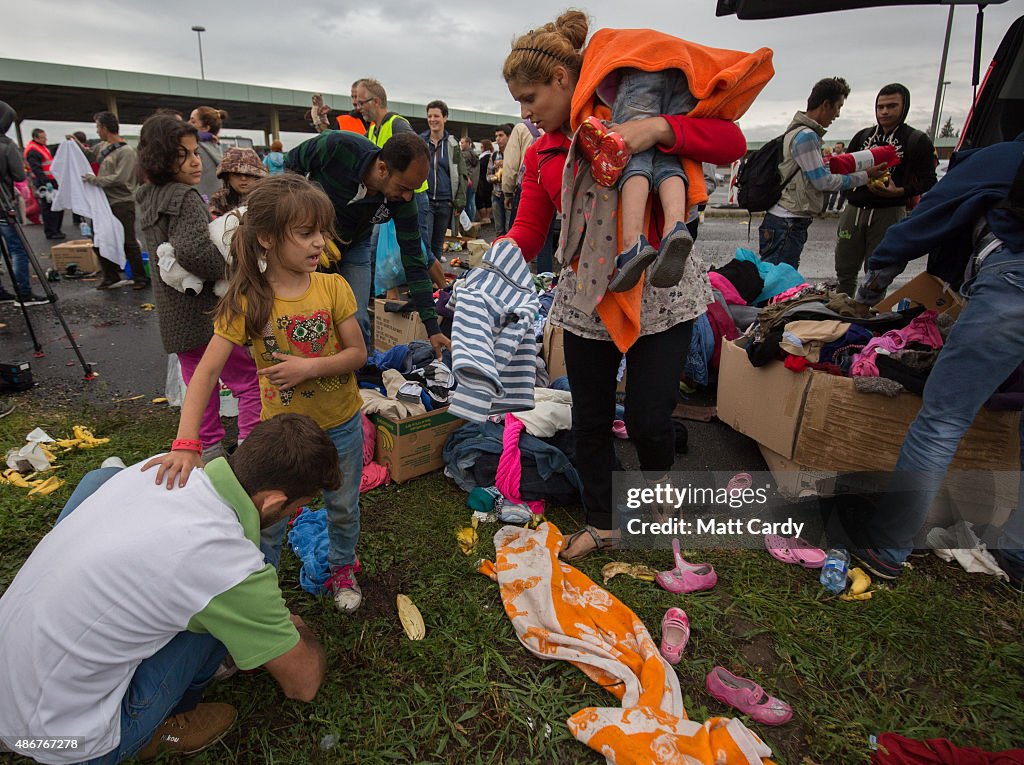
x: 604, y: 150
x: 611, y: 159
x: 589, y: 137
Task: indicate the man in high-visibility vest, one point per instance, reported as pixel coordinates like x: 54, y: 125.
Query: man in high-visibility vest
x: 39, y: 159
x: 372, y: 102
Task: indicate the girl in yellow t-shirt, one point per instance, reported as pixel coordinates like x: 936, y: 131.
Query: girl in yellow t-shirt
x: 306, y: 343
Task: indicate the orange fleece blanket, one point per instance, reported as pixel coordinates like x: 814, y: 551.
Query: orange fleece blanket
x: 724, y: 81
x: 558, y: 613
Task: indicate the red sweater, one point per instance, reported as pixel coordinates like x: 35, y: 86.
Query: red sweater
x: 704, y: 140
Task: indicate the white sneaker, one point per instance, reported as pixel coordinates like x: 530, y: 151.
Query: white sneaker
x: 113, y: 462
x: 347, y: 594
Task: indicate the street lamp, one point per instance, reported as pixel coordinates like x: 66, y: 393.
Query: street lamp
x: 199, y: 33
x: 942, y: 100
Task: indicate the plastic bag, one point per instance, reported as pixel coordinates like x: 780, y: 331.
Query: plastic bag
x: 388, y: 272
x: 174, y: 389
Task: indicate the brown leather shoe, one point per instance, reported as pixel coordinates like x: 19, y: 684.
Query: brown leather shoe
x: 190, y: 732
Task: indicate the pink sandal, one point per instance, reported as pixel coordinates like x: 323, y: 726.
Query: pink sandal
x: 687, y: 577
x: 675, y: 633
x: 748, y: 697
x: 794, y: 550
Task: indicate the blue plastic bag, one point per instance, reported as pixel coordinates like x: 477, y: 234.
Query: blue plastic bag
x: 388, y: 271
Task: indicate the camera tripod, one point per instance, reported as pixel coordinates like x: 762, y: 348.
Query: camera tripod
x: 9, y: 209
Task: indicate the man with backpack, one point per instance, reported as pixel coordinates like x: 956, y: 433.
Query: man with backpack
x: 874, y: 208
x: 800, y: 175
x: 972, y: 228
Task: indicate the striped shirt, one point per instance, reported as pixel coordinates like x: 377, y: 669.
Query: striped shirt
x: 806, y: 151
x: 494, y: 350
x: 337, y: 161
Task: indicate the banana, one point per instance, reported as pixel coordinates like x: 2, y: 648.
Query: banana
x: 859, y: 583
x: 412, y: 620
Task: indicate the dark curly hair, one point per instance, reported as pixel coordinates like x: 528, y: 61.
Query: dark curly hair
x: 160, y: 148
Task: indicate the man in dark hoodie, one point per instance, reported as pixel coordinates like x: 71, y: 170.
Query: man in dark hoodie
x: 875, y: 207
x: 12, y: 170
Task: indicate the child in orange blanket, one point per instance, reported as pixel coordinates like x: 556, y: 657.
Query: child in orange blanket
x: 634, y: 94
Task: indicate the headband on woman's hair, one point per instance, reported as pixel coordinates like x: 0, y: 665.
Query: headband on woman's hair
x: 555, y: 56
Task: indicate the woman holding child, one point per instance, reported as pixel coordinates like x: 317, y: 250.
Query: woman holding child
x: 559, y: 85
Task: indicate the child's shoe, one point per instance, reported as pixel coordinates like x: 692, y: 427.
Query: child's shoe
x: 630, y: 265
x: 611, y: 159
x: 675, y: 633
x: 345, y: 588
x: 589, y: 139
x: 672, y: 254
x: 604, y: 150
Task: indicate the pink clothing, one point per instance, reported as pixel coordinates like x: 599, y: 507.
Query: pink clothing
x: 239, y: 377
x: 921, y: 330
x: 374, y: 475
x: 788, y: 293
x: 723, y: 285
x: 369, y: 442
x: 510, y: 466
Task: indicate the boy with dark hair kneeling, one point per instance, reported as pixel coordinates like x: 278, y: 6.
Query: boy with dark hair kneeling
x: 124, y: 611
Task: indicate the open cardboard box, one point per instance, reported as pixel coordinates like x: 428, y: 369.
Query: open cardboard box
x: 391, y: 329
x: 412, y: 447
x: 821, y: 422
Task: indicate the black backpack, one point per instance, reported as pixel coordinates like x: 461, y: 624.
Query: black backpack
x: 759, y: 184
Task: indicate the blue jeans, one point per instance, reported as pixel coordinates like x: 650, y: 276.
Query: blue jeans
x: 984, y: 347
x: 426, y: 221
x: 170, y: 681
x: 471, y: 202
x: 499, y: 215
x: 782, y: 240
x: 342, y: 505
x: 19, y: 258
x: 650, y: 94
x: 433, y: 224
x: 357, y: 268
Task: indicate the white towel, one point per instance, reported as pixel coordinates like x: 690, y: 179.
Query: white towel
x: 69, y: 165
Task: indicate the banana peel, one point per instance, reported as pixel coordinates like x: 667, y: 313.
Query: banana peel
x: 410, y: 617
x: 14, y: 478
x: 467, y: 537
x: 638, y: 571
x: 859, y: 583
x: 83, y: 439
x: 48, y: 486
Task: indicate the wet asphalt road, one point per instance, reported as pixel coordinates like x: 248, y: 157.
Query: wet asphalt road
x: 121, y: 340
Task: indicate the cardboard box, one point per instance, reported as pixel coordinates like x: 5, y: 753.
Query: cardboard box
x: 391, y: 329
x: 929, y: 291
x: 765, y: 403
x: 412, y: 447
x: 78, y: 251
x: 822, y: 422
x: 553, y: 351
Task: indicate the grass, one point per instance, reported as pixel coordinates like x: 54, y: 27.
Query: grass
x: 937, y: 654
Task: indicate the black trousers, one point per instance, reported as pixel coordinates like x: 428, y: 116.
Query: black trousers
x: 653, y: 367
x: 53, y: 220
x: 125, y: 214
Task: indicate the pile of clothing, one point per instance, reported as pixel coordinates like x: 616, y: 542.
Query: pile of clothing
x: 405, y: 381
x: 886, y: 353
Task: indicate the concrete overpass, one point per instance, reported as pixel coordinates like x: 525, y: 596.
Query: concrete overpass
x: 62, y: 93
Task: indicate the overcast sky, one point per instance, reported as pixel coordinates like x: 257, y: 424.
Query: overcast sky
x: 425, y: 49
